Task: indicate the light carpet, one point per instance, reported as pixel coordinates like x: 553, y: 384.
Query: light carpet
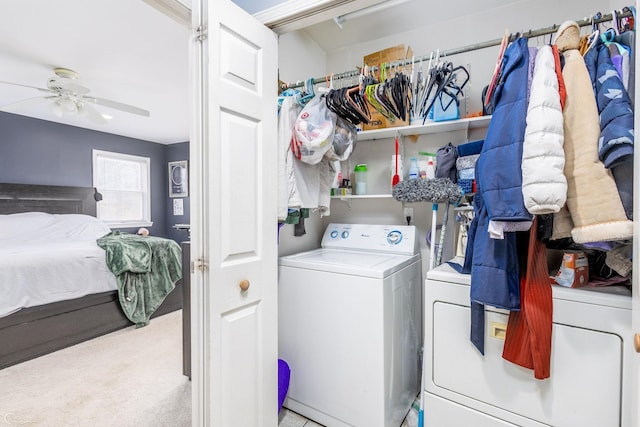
x: 132, y: 377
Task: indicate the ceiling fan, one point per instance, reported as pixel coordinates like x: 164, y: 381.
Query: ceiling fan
x: 67, y: 96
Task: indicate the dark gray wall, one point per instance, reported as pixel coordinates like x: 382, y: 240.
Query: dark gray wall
x: 178, y: 152
x: 36, y: 151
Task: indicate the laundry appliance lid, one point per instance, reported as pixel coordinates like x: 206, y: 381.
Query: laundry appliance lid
x: 351, y: 262
x: 610, y: 296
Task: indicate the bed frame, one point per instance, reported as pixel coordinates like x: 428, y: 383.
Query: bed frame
x: 36, y: 331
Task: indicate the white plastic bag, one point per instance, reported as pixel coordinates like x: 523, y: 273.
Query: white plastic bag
x: 344, y: 141
x: 313, y: 131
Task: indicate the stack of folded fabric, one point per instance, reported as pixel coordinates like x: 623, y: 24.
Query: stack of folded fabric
x: 465, y: 164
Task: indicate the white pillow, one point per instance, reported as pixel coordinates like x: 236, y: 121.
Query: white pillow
x: 16, y: 225
x: 39, y: 226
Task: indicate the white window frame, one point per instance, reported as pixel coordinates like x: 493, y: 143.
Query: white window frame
x: 146, y: 161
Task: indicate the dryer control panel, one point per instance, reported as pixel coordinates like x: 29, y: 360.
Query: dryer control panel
x: 397, y: 239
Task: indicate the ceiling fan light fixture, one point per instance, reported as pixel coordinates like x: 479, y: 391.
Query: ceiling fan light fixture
x: 57, y: 109
x: 68, y: 97
x: 68, y: 105
x: 81, y: 111
x: 66, y: 73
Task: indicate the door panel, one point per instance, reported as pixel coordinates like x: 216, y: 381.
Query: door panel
x: 234, y: 154
x: 240, y: 185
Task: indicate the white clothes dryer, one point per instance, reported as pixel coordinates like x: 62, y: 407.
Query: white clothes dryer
x: 591, y: 355
x: 350, y: 325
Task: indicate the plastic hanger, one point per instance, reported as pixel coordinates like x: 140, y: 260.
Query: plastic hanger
x: 356, y: 101
x: 370, y: 92
x: 309, y: 92
x: 616, y: 22
x: 329, y: 82
x: 595, y: 35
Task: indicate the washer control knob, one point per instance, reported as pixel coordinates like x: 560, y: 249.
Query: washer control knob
x: 345, y: 234
x: 334, y: 234
x: 394, y: 237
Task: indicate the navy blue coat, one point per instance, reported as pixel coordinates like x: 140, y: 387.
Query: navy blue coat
x: 493, y: 263
x: 616, y: 115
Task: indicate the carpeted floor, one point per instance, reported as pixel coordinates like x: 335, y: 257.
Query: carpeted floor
x: 131, y: 377
x: 128, y: 378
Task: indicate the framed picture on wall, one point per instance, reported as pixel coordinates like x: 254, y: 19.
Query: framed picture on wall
x: 179, y: 179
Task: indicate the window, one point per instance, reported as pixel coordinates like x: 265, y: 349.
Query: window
x: 124, y: 182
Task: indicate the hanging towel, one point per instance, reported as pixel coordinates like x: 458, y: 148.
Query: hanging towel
x: 528, y: 339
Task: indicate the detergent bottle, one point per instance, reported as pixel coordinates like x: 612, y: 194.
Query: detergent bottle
x: 414, y: 169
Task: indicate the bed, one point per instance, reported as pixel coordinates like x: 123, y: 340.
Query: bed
x: 74, y: 316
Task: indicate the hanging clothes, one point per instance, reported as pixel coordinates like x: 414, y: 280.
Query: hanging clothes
x: 544, y: 186
x: 493, y: 263
x: 616, y: 116
x: 592, y: 196
x: 304, y: 186
x: 628, y: 39
x: 615, y: 146
x: 528, y: 339
x: 288, y: 111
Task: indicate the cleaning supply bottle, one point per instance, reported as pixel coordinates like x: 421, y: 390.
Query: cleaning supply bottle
x: 431, y: 169
x: 360, y: 185
x: 414, y: 169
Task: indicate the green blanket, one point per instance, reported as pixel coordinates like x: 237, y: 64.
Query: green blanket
x: 146, y: 270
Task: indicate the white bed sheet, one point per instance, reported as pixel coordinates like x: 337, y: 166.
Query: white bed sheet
x: 51, y: 267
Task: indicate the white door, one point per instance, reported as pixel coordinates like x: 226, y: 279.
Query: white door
x: 234, y: 219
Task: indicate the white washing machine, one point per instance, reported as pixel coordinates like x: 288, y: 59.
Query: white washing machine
x: 591, y: 352
x: 349, y: 321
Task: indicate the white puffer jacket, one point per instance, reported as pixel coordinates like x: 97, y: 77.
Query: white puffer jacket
x: 544, y: 186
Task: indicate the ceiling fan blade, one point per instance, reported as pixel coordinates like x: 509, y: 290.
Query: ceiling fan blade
x: 27, y: 102
x: 91, y: 113
x: 41, y: 89
x: 62, y: 84
x: 116, y: 105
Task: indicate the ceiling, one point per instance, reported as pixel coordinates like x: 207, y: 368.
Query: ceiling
x: 129, y: 52
x: 401, y: 16
x: 123, y: 50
